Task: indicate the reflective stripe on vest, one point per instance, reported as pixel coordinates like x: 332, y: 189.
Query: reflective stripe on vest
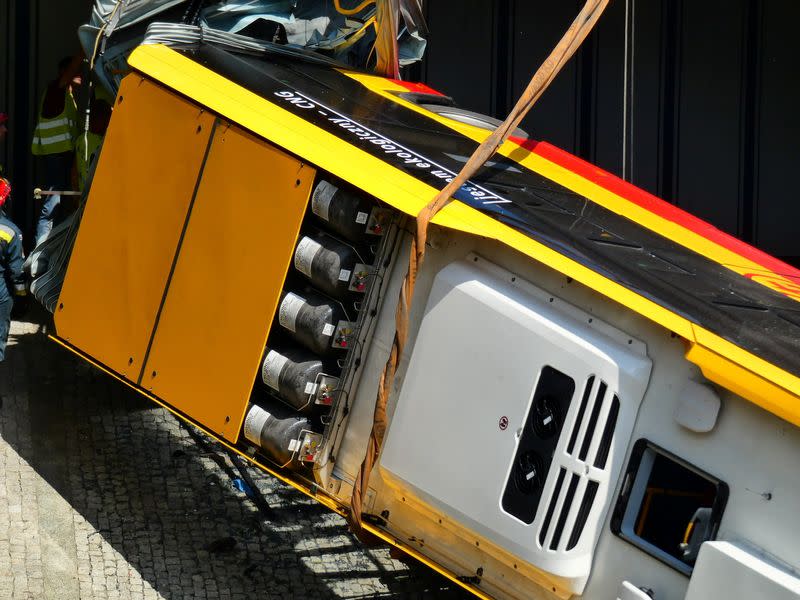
x: 56, y: 135
x: 53, y: 123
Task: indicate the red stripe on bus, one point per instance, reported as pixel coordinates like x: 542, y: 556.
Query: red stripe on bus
x: 419, y: 88
x: 657, y: 206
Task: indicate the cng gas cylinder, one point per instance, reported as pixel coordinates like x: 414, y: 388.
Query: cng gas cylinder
x: 276, y: 430
x: 316, y: 322
x: 331, y: 266
x: 292, y: 374
x: 353, y: 217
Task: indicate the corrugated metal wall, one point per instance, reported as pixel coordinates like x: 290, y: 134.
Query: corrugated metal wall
x: 712, y: 88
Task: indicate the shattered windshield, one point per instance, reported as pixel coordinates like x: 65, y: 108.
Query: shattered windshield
x: 375, y: 35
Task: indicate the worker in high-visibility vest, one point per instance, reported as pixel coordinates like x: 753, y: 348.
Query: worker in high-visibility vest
x: 12, y: 282
x: 54, y: 139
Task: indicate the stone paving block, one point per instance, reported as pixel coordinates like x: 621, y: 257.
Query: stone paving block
x: 141, y: 503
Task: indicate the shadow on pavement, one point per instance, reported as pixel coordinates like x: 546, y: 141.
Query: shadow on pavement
x: 146, y: 496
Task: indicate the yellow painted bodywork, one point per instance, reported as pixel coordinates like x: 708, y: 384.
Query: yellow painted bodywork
x: 227, y: 281
x: 131, y: 225
x: 410, y: 195
x: 179, y: 264
x: 764, y: 392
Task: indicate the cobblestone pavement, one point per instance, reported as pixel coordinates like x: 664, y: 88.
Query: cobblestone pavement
x: 104, y: 495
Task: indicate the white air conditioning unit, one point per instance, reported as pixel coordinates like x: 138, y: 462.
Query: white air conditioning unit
x: 514, y: 416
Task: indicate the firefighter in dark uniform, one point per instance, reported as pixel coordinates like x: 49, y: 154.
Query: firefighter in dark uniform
x: 12, y: 282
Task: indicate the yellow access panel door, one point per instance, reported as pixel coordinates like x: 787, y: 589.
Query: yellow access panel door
x: 182, y: 252
x: 227, y: 282
x: 131, y: 225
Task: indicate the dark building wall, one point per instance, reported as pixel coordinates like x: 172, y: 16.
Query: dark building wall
x: 692, y: 100
x: 36, y: 34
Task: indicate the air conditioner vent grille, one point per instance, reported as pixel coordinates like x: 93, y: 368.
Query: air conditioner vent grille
x: 592, y: 425
x: 565, y: 509
x: 583, y: 514
x: 608, y: 435
x: 577, y: 487
x: 576, y: 427
x: 552, y: 507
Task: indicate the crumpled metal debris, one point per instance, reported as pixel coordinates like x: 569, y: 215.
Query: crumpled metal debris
x: 381, y: 35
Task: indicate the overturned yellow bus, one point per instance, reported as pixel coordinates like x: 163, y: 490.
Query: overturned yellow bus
x: 594, y: 381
